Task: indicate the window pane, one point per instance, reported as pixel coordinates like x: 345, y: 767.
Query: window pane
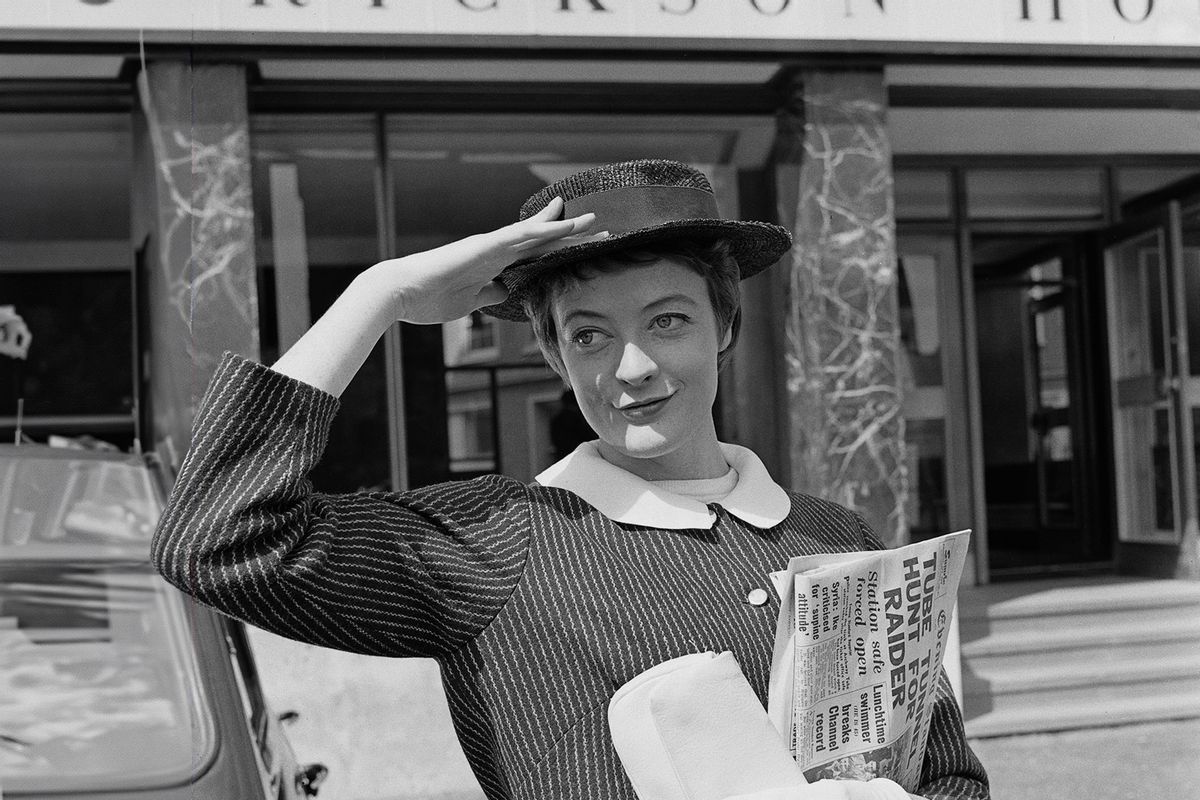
x: 457, y: 176
x: 314, y: 209
x: 98, y: 687
x: 1026, y: 317
x: 922, y: 194
x: 1137, y: 181
x: 65, y: 264
x: 1191, y: 287
x: 1035, y: 194
x: 922, y: 259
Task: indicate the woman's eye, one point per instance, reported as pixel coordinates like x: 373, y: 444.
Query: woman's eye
x: 669, y: 321
x: 583, y: 337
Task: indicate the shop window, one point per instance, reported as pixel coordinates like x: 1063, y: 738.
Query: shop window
x: 66, y: 267
x: 313, y: 180
x: 1034, y: 194
x: 922, y: 194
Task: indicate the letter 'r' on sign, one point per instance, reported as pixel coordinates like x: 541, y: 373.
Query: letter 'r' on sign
x: 566, y: 5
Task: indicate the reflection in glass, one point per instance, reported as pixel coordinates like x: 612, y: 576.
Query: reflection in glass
x: 97, y: 689
x: 65, y: 247
x: 314, y: 210
x: 1191, y: 293
x: 77, y: 506
x: 1143, y: 435
x: 1191, y: 288
x: 454, y: 177
x: 1025, y: 315
x: 921, y: 261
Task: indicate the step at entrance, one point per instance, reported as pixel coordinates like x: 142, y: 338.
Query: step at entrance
x: 1088, y: 652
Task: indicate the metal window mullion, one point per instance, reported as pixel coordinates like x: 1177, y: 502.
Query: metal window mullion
x: 385, y: 224
x: 971, y: 380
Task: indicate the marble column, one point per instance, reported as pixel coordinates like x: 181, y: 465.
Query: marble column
x: 842, y: 331
x: 198, y: 253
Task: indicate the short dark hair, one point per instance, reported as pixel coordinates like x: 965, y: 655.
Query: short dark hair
x: 710, y: 259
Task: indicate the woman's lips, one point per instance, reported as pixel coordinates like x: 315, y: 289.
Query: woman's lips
x: 645, y: 411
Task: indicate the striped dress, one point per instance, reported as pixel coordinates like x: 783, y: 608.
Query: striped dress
x: 535, y: 605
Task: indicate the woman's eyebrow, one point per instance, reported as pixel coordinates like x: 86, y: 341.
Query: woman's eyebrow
x: 580, y: 312
x: 670, y: 299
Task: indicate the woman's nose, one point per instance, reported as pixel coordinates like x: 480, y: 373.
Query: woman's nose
x: 635, y: 366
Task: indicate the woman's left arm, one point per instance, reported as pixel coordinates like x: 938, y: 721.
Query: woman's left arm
x: 951, y: 768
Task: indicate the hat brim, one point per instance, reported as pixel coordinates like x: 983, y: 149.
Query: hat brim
x: 754, y: 245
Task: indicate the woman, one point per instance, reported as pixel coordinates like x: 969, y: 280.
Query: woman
x: 538, y: 600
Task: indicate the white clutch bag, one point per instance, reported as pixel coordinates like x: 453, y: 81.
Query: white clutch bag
x: 692, y: 729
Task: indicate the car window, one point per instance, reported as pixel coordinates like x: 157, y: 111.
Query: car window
x: 82, y: 506
x: 98, y: 682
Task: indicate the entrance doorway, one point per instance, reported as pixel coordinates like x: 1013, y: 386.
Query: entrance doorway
x: 1036, y: 405
x: 1152, y: 285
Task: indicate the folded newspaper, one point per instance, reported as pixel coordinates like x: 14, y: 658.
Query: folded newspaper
x: 858, y: 649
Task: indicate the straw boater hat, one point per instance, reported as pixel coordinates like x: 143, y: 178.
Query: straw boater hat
x: 638, y: 203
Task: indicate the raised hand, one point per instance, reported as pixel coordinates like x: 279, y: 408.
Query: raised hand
x: 451, y: 281
x: 437, y: 285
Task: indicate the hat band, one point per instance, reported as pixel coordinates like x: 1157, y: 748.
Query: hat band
x: 631, y: 208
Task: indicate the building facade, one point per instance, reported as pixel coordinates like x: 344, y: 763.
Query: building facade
x: 990, y: 319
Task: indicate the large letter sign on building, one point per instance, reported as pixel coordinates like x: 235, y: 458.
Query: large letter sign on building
x: 1089, y: 23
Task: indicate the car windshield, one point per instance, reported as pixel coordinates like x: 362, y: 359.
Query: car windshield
x: 98, y: 686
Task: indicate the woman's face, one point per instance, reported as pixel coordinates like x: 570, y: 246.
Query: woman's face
x: 640, y: 349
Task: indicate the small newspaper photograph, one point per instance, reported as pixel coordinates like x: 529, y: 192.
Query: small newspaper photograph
x: 858, y: 649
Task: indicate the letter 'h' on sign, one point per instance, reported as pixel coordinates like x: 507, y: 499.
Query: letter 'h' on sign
x: 1055, y: 8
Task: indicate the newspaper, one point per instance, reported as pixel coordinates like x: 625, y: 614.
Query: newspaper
x: 858, y: 649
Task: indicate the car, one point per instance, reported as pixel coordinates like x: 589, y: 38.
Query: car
x: 114, y: 684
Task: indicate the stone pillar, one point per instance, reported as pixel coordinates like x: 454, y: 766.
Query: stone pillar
x: 195, y: 223
x: 842, y: 331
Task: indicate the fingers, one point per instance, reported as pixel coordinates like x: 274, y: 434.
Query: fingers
x: 539, y: 248
x: 546, y: 226
x: 524, y: 236
x: 551, y: 211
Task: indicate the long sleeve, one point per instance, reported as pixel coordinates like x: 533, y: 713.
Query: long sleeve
x: 415, y: 573
x: 951, y: 770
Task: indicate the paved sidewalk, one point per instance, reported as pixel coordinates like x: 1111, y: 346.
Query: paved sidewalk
x: 1127, y: 762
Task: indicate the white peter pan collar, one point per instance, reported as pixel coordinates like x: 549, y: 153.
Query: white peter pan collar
x: 624, y: 497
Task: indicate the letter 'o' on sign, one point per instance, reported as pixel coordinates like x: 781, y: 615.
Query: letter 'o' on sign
x: 1120, y: 5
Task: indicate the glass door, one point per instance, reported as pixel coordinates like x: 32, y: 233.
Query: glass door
x: 1152, y: 280
x: 1031, y: 344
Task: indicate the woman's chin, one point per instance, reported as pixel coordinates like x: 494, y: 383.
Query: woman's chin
x: 642, y: 442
